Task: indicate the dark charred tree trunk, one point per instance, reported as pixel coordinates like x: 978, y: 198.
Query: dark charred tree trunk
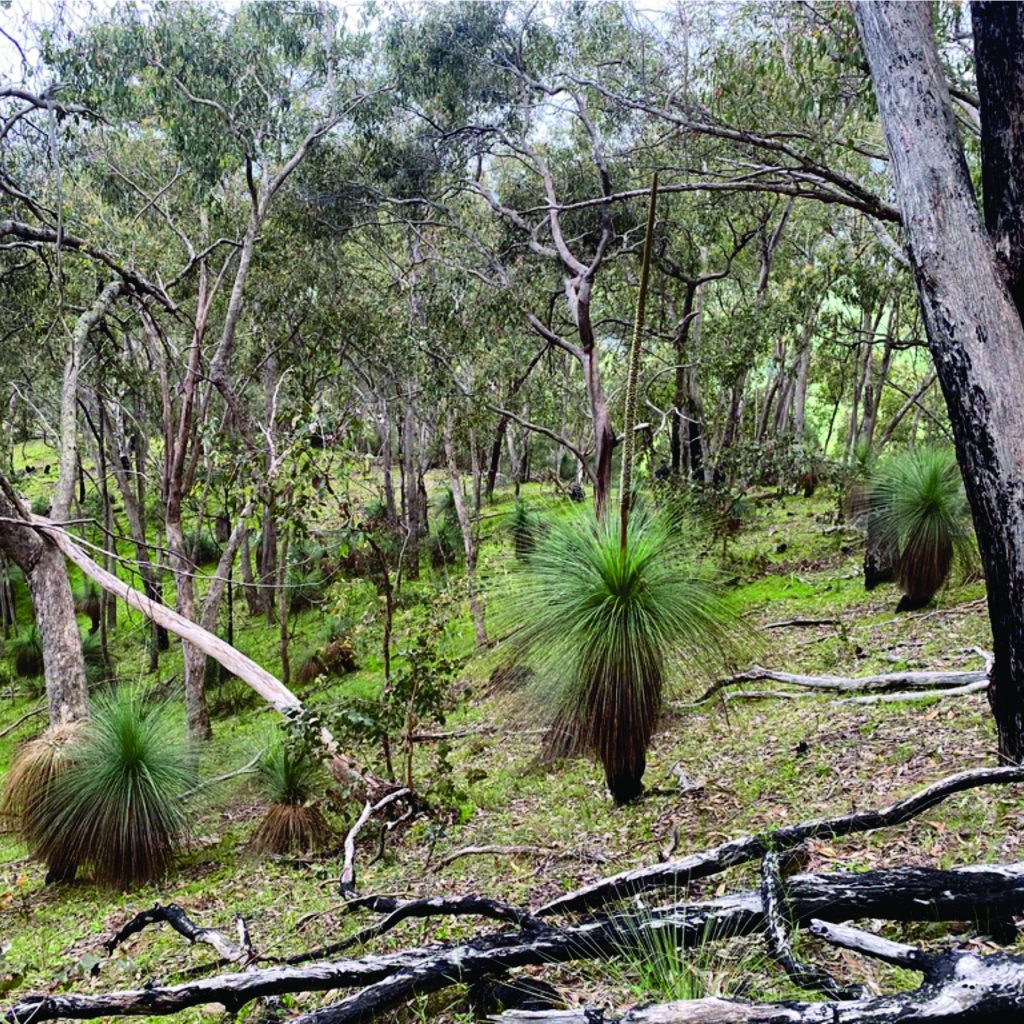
x: 495, y: 463
x: 967, y: 281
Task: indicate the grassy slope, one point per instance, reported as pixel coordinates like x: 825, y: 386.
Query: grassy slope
x: 747, y: 757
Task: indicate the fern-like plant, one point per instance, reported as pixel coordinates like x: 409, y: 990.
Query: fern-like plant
x: 293, y: 821
x: 601, y: 623
x: 920, y: 510
x: 117, y: 806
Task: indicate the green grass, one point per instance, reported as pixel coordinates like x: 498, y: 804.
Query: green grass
x: 745, y: 755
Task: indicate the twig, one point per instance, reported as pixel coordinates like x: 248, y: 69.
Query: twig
x: 551, y: 852
x: 176, y: 917
x: 24, y: 718
x: 247, y: 769
x: 347, y: 881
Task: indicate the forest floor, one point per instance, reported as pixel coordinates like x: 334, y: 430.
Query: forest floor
x: 752, y: 765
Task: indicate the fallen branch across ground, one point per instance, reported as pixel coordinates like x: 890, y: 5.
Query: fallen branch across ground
x: 958, y: 987
x: 983, y: 893
x: 987, y: 896
x: 884, y: 686
x: 551, y: 852
x: 678, y: 874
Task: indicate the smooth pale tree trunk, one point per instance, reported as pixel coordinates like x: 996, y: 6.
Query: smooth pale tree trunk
x: 46, y: 576
x: 468, y: 540
x: 61, y: 506
x: 41, y: 563
x: 252, y: 599
x: 962, y: 272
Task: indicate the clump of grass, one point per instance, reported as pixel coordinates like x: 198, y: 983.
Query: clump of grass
x: 293, y: 821
x: 97, y: 670
x: 202, y: 547
x: 600, y: 622
x: 116, y: 806
x: 25, y: 651
x: 306, y: 587
x: 920, y: 510
x: 523, y: 526
x: 310, y: 668
x: 87, y: 602
x: 444, y: 544
x: 35, y: 767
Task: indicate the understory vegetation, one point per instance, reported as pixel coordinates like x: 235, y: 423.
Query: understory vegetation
x: 511, y: 511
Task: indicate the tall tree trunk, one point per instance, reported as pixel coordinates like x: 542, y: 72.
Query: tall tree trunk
x: 410, y: 489
x: 384, y: 433
x: 495, y: 463
x: 47, y: 578
x: 196, y: 710
x: 252, y: 600
x: 468, y: 539
x: 974, y: 327
x: 679, y: 425
x: 61, y: 506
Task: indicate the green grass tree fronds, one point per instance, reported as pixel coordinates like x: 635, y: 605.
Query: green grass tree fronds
x: 36, y: 766
x: 601, y: 624
x: 117, y: 808
x: 289, y: 778
x: 917, y: 500
x: 524, y: 527
x: 25, y: 651
x: 87, y: 602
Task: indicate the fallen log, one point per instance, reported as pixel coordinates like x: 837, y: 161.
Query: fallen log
x: 958, y: 988
x: 979, y: 893
x: 883, y: 682
x: 679, y: 874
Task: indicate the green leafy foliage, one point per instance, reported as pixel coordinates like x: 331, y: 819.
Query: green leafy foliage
x: 117, y: 808
x: 920, y: 509
x: 601, y: 627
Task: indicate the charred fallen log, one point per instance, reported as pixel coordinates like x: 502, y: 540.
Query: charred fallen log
x: 977, y: 894
x: 958, y: 988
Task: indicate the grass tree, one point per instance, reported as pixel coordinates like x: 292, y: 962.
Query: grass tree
x: 602, y: 626
x: 920, y: 510
x: 607, y: 608
x: 25, y: 651
x: 113, y: 803
x: 293, y: 821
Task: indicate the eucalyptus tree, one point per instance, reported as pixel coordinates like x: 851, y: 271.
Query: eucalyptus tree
x: 969, y: 270
x: 233, y: 103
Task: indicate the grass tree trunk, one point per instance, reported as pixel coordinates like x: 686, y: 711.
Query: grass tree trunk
x: 969, y: 285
